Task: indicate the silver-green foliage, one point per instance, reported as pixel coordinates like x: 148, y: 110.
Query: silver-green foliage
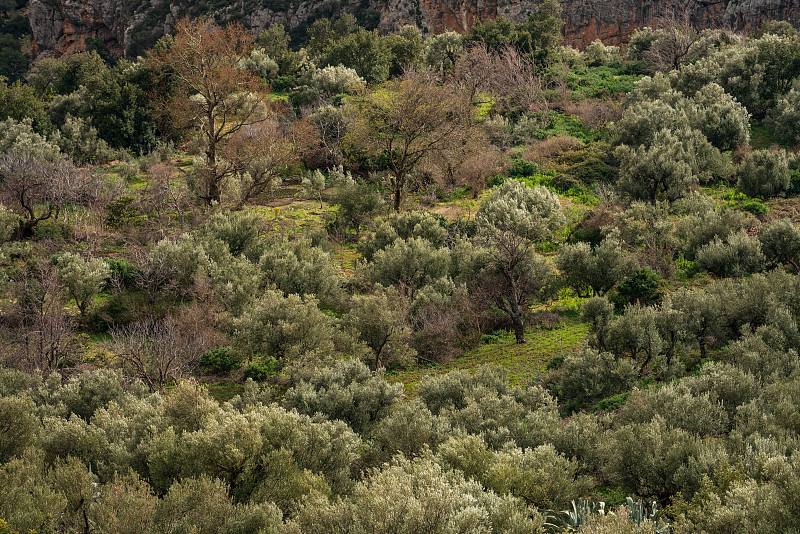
x: 260, y: 63
x: 379, y: 320
x: 515, y: 211
x: 594, y: 270
x: 300, y: 268
x: 738, y: 255
x: 409, y: 263
x: 422, y: 497
x: 290, y: 328
x: 417, y: 223
x: 539, y: 475
x: 780, y: 243
x: 347, y: 391
x: 590, y: 376
x: 764, y: 173
x: 83, y: 279
x: 665, y: 169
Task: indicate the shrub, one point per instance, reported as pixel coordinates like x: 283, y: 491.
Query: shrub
x: 260, y: 63
x: 82, y: 278
x: 523, y: 168
x: 238, y: 230
x: 590, y: 376
x: 599, y: 54
x: 220, y: 361
x: 780, y: 242
x: 679, y: 407
x: 262, y: 368
x: 356, y: 203
x: 299, y: 268
x: 347, y: 391
x: 721, y: 118
x: 785, y: 116
x: 653, y: 460
x: 121, y: 271
x: 408, y: 263
x: 764, y: 173
x: 642, y: 287
x: 739, y: 255
x: 417, y: 223
x: 598, y: 269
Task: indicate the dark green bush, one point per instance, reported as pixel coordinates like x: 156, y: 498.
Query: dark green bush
x: 642, y: 287
x: 121, y: 271
x: 52, y: 229
x: 262, y: 368
x: 523, y: 167
x: 220, y: 361
x: 753, y: 205
x: 120, y: 211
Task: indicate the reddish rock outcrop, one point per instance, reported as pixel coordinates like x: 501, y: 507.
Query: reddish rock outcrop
x: 62, y: 26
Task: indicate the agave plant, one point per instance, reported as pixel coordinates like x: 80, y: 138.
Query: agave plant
x: 579, y: 514
x: 639, y: 512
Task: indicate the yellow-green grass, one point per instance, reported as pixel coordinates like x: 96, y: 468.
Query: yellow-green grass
x: 525, y: 363
x: 294, y: 219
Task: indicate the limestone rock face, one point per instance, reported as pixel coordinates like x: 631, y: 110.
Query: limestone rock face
x: 62, y: 26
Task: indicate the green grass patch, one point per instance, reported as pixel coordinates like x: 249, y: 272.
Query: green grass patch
x: 729, y: 197
x: 224, y: 391
x: 763, y: 137
x: 526, y: 363
x: 296, y: 218
x: 599, y: 82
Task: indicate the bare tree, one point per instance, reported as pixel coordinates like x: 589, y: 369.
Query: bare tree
x: 675, y: 44
x: 260, y: 154
x: 412, y: 123
x: 213, y: 92
x: 36, y: 187
x: 154, y: 351
x: 40, y: 333
x: 509, y: 77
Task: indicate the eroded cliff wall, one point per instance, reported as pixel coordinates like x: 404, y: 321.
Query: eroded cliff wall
x: 128, y: 26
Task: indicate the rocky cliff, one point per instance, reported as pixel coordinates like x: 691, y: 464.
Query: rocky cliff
x: 129, y: 26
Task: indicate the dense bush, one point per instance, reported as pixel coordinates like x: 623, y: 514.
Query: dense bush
x: 588, y: 377
x: 764, y: 174
x: 738, y: 255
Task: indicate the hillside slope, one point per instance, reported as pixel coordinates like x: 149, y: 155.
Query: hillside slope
x: 130, y: 26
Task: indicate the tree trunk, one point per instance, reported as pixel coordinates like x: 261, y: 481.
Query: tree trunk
x: 24, y: 230
x: 397, y: 199
x: 213, y: 193
x: 519, y: 328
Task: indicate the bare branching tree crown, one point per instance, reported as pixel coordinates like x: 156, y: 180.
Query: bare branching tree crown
x: 413, y: 123
x: 209, y: 90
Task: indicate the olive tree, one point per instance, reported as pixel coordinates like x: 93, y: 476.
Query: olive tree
x: 82, y: 278
x: 347, y: 391
x: 290, y: 329
x: 665, y: 169
x: 780, y: 243
x: 738, y: 255
x: 722, y: 119
x: 510, y: 222
x: 380, y: 321
x: 409, y: 264
x: 785, y: 116
x: 594, y: 270
x: 764, y: 173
